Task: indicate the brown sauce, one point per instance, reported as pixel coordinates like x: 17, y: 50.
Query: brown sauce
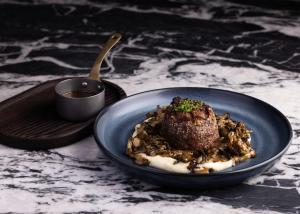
x: 79, y: 94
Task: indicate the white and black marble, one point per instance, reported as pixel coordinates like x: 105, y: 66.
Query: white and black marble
x: 252, y: 47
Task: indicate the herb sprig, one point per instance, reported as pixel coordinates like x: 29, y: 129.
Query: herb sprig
x: 187, y: 105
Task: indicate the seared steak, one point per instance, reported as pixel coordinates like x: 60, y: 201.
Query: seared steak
x: 190, y: 125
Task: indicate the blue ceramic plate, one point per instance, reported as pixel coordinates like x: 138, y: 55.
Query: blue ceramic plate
x: 271, y: 135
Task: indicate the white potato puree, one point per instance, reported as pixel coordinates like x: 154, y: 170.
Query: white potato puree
x: 166, y: 163
x: 171, y: 164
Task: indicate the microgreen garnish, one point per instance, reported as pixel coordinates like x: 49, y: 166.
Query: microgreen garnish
x: 187, y: 105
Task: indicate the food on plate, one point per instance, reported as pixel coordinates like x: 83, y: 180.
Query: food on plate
x: 188, y: 137
x: 189, y: 124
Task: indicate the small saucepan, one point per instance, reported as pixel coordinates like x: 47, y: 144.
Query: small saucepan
x: 81, y: 98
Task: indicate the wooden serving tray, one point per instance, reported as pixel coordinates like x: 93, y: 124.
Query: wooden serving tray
x: 29, y: 120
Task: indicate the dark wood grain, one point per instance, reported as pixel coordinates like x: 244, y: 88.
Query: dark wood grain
x: 29, y: 120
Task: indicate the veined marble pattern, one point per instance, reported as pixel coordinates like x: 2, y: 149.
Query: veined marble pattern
x: 252, y: 47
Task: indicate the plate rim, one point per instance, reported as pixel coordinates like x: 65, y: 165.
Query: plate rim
x: 220, y: 173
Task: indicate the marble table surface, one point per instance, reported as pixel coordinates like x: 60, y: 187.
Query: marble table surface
x: 252, y: 47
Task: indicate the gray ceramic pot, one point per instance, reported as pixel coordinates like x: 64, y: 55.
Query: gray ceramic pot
x: 85, y: 101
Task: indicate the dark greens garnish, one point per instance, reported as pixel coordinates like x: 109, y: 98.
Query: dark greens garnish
x: 187, y: 105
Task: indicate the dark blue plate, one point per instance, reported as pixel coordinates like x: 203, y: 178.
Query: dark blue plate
x: 272, y: 134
